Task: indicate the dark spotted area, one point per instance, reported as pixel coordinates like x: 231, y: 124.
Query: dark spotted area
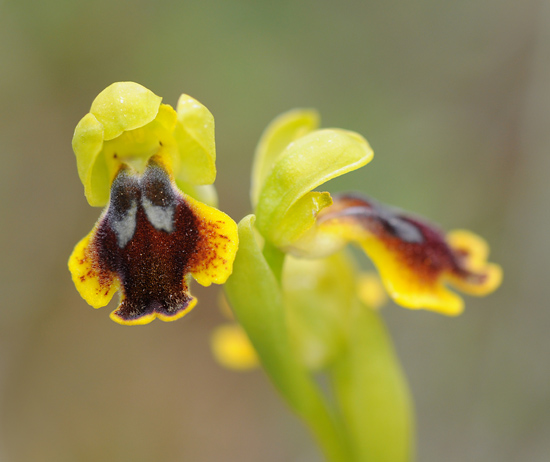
x: 124, y: 192
x: 417, y: 244
x: 152, y: 264
x: 156, y: 187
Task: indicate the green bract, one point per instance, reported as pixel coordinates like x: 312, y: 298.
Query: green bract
x: 292, y: 160
x: 127, y: 124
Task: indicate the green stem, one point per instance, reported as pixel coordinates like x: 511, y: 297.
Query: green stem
x: 275, y: 258
x: 255, y: 295
x: 307, y: 401
x: 372, y: 392
x: 329, y: 436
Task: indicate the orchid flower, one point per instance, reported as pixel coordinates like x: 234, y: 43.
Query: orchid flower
x: 137, y: 156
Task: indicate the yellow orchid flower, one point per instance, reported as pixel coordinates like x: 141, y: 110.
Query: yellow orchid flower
x: 415, y: 260
x: 134, y: 155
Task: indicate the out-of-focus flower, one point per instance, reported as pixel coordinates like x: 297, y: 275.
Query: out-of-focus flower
x: 232, y: 348
x: 415, y: 260
x: 230, y: 344
x: 370, y: 290
x: 134, y: 153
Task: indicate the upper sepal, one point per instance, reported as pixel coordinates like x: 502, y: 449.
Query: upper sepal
x: 124, y: 106
x: 282, y: 131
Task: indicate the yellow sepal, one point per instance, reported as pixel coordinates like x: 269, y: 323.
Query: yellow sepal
x: 194, y: 135
x: 124, y: 106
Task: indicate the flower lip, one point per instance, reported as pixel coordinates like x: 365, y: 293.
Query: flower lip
x: 414, y: 257
x: 148, y: 242
x: 140, y: 245
x: 419, y: 245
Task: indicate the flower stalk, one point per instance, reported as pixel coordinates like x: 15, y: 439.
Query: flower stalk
x: 267, y: 330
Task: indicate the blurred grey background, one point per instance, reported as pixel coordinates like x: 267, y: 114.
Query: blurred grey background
x: 454, y: 98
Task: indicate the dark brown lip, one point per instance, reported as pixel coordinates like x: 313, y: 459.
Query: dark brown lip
x: 150, y: 261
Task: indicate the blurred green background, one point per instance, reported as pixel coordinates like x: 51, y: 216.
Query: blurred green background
x: 454, y: 98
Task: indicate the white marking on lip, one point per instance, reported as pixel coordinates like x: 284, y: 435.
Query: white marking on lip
x: 162, y: 218
x: 125, y: 227
x: 406, y: 231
